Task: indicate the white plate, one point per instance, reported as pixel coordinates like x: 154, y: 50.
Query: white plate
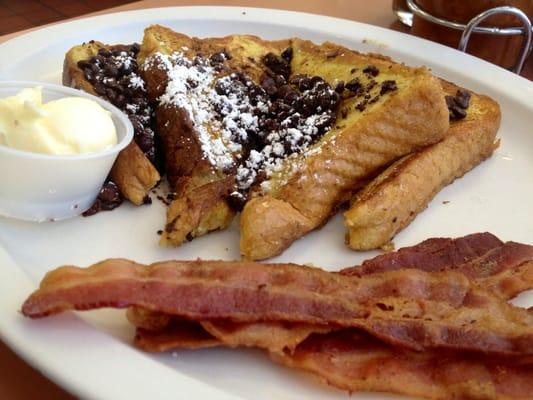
x: 90, y: 354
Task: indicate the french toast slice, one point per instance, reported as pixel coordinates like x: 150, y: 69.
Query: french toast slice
x: 372, y: 130
x: 132, y: 171
x: 386, y: 111
x: 391, y: 201
x: 201, y: 187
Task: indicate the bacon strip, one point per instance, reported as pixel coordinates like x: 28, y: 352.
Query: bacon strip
x: 505, y: 267
x: 507, y: 279
x: 353, y: 361
x: 356, y: 362
x: 158, y: 332
x: 504, y: 276
x: 411, y: 308
x: 439, y: 254
x: 179, y: 334
x: 433, y: 254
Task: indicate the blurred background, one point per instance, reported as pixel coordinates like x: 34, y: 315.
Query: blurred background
x: 16, y: 15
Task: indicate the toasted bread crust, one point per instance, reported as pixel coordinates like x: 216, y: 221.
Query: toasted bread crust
x: 198, y: 211
x: 133, y: 173
x: 394, y: 198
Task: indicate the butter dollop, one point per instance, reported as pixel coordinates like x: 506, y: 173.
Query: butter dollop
x: 70, y: 125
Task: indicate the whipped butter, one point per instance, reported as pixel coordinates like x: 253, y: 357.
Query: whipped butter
x: 71, y: 125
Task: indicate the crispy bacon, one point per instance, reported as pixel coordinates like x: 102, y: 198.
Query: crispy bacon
x: 161, y: 332
x: 506, y: 267
x: 411, y: 308
x: 476, y: 255
x: 356, y: 362
x: 178, y: 334
x: 433, y: 254
x: 351, y: 360
x: 508, y: 279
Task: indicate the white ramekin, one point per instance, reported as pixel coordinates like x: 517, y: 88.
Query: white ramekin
x: 42, y: 187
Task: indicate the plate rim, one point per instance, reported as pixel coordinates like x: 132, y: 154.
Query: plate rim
x: 517, y: 89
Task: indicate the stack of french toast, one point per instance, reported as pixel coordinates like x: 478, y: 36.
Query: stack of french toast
x: 285, y: 132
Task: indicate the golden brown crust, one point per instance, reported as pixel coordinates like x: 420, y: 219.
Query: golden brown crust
x: 268, y: 223
x: 198, y: 211
x: 133, y: 173
x: 394, y: 198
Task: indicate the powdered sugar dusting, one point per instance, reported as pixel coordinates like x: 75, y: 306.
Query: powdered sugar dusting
x: 190, y: 87
x: 243, y: 127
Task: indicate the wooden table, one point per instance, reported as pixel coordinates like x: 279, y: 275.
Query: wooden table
x: 19, y: 380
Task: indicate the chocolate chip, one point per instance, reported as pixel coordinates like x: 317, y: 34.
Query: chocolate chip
x: 335, y: 98
x: 295, y: 79
x: 237, y: 201
x: 125, y: 69
x: 388, y: 86
x: 88, y: 74
x: 269, y: 85
x: 287, y: 54
x: 110, y: 70
x: 304, y: 84
x: 280, y: 80
x: 462, y: 98
x: 277, y: 64
x: 353, y: 70
x: 108, y: 198
x: 285, y: 91
x: 457, y: 113
x: 371, y: 70
x: 111, y: 95
x: 128, y: 92
x: 95, y: 69
x: 84, y: 64
x: 339, y: 86
x: 109, y: 193
x: 136, y: 122
x: 145, y: 141
x: 361, y: 106
x: 371, y: 85
x: 135, y: 48
x: 354, y: 85
x: 315, y: 80
x: 99, y: 88
x: 291, y: 97
x: 171, y: 196
x: 458, y: 104
x: 218, y: 58
x: 220, y: 88
x: 104, y: 52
